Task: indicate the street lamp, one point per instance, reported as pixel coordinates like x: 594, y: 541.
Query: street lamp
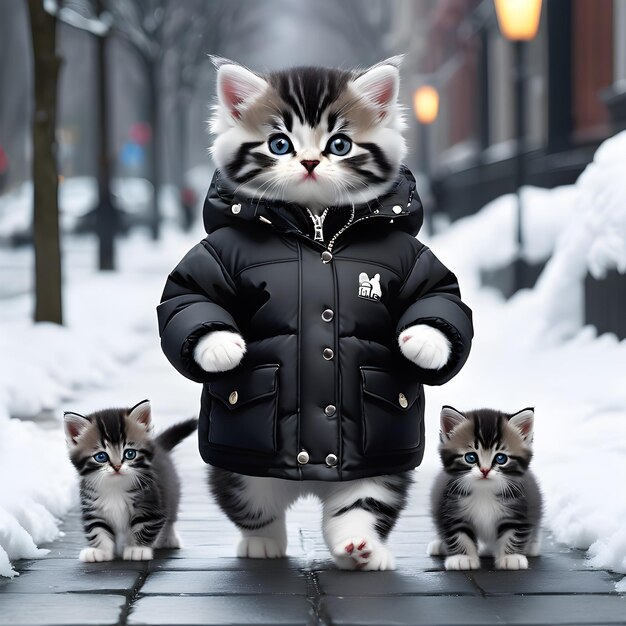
x: 519, y: 22
x: 426, y: 109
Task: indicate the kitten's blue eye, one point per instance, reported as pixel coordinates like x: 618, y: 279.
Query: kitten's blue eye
x: 470, y: 457
x: 101, y: 457
x: 339, y: 145
x: 280, y: 144
x: 130, y: 454
x: 501, y: 459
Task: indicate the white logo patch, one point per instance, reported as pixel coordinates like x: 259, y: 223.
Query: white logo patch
x: 369, y: 288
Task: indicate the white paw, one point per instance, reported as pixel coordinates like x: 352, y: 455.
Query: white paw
x: 364, y: 554
x: 436, y: 548
x: 260, y: 548
x: 137, y: 553
x: 219, y: 351
x: 462, y: 561
x: 426, y: 346
x: 512, y: 561
x: 95, y: 555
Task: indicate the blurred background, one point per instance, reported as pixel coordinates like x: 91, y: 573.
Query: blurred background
x: 515, y: 109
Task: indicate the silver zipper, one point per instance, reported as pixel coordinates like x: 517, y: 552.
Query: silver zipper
x: 318, y: 224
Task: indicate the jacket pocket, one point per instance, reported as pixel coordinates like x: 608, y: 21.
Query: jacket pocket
x: 243, y: 409
x: 391, y: 411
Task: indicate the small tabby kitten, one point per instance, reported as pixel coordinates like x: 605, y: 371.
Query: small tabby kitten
x: 486, y: 496
x: 129, y: 490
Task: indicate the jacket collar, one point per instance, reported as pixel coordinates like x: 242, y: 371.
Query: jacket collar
x: 223, y: 208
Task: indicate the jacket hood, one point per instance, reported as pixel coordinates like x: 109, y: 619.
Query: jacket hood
x: 223, y: 207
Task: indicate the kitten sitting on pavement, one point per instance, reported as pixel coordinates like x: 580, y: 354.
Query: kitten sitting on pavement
x: 486, y: 496
x: 129, y: 489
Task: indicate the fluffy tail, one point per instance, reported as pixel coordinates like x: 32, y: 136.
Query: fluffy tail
x: 173, y: 435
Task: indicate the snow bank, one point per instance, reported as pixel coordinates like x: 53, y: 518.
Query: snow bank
x: 46, y: 368
x: 492, y: 231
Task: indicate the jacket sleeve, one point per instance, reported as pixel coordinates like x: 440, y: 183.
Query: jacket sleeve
x: 431, y: 295
x: 195, y: 301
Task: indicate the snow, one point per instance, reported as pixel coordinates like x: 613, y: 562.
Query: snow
x: 531, y: 350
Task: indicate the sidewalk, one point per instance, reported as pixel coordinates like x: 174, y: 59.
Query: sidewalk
x: 204, y: 584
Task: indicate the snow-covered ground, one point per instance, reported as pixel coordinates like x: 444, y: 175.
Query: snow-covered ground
x: 531, y: 350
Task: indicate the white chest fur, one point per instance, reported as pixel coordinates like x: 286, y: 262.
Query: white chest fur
x: 484, y: 511
x: 116, y: 507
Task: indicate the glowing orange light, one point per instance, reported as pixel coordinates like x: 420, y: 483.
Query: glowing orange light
x: 426, y: 104
x: 518, y: 19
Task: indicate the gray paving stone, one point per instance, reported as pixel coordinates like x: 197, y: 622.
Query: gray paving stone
x: 228, y: 563
x: 410, y: 611
x: 550, y: 582
x: 560, y: 610
x: 220, y: 583
x: 219, y: 611
x: 60, y: 610
x: 77, y: 567
x: 66, y: 580
x: 402, y: 582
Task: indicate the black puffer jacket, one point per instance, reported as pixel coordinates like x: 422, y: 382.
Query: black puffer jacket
x: 323, y: 392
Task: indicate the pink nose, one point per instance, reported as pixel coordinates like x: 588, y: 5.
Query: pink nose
x: 309, y: 166
x: 485, y: 471
x: 117, y: 468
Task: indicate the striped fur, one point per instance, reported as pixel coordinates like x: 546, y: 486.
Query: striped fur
x: 129, y: 505
x: 357, y: 517
x: 486, y: 506
x: 309, y: 105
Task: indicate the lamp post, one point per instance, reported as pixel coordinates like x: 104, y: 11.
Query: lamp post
x: 519, y: 22
x: 426, y: 109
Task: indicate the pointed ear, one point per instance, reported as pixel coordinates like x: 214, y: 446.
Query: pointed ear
x: 379, y: 84
x: 142, y: 414
x: 450, y: 418
x: 523, y: 421
x: 236, y: 86
x: 74, y: 425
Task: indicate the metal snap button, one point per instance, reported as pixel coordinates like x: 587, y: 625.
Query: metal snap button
x: 331, y: 460
x: 303, y: 457
x: 330, y: 410
x: 328, y: 354
x: 233, y: 397
x: 403, y: 401
x: 236, y: 208
x: 327, y: 315
x: 397, y: 209
x: 327, y: 257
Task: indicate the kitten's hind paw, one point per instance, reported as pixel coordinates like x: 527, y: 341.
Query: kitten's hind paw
x: 137, y: 553
x: 260, y: 548
x: 95, y: 555
x: 512, y: 561
x: 436, y: 548
x: 364, y: 554
x: 462, y: 561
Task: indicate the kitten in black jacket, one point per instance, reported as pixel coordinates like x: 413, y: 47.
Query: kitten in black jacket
x: 129, y: 489
x: 486, y: 500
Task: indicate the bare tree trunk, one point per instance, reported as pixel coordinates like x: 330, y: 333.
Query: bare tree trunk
x: 48, y: 297
x: 154, y: 156
x: 106, y: 215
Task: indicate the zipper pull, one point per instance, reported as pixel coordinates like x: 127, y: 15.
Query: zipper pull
x: 317, y: 226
